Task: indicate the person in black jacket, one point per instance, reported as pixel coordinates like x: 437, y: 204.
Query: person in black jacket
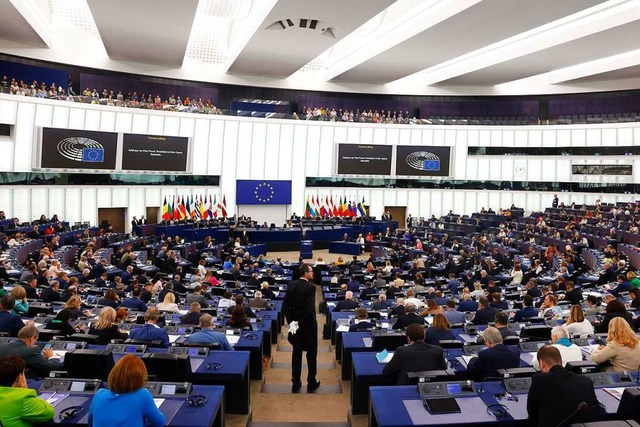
x: 544, y: 406
x: 61, y: 323
x: 299, y: 306
x: 362, y: 322
x: 410, y: 317
x: 51, y: 293
x: 39, y: 362
x: 347, y: 304
x: 193, y: 316
x: 9, y: 323
x: 573, y: 295
x: 615, y: 308
x: 417, y: 356
x: 106, y: 328
x: 485, y: 313
x: 496, y: 356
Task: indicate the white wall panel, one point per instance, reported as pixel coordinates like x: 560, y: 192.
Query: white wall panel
x: 435, y: 206
x: 327, y: 152
x: 136, y: 206
x: 483, y: 200
x: 520, y: 200
x: 155, y: 125
x: 123, y: 122
x: 366, y: 134
x: 450, y: 138
x: 187, y: 126
x: 483, y: 169
x: 506, y: 199
x: 312, y: 150
x: 298, y: 177
x: 107, y: 121
x: 609, y: 137
x: 92, y: 120
x: 73, y: 205
x: 495, y: 169
x: 153, y: 196
x: 9, y: 112
x: 578, y: 137
x: 140, y: 123
x: 6, y: 201
x: 214, y: 148
x: 103, y: 197
x: 473, y: 138
x: 402, y: 197
x: 258, y: 150
x: 24, y: 138
x: 243, y: 165
x: 390, y: 198
x: 549, y: 169
x: 468, y: 170
x: 564, y: 137
x: 22, y: 204
x: 484, y: 138
x: 7, y: 157
x: 39, y: 203
x: 171, y: 125
x: 376, y: 203
x: 272, y: 148
x: 549, y: 138
x: 413, y: 203
x: 89, y: 213
x: 624, y: 136
x: 44, y: 114
x: 285, y: 156
x: 535, y: 138
x: 447, y: 202
x: 200, y: 147
x: 534, y: 169
x: 459, y: 202
x: 57, y: 205
x: 563, y: 170
x: 353, y: 133
x: 120, y: 197
x: 380, y: 135
x: 228, y: 170
x: 594, y: 137
x: 496, y: 138
x: 393, y: 136
x: 471, y: 201
x: 506, y: 173
x: 404, y: 137
x: 439, y: 136
x: 76, y: 118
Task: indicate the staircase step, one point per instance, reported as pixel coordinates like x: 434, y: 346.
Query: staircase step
x: 286, y: 389
x: 287, y: 365
x: 289, y: 349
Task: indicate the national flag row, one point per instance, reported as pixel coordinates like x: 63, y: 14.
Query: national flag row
x: 330, y: 206
x: 194, y: 207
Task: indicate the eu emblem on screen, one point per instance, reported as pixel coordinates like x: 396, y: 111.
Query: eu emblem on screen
x: 93, y: 155
x: 432, y: 165
x: 263, y: 192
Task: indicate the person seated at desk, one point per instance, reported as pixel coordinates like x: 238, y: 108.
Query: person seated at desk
x: 382, y: 304
x: 361, y: 322
x: 577, y: 324
x: 550, y: 309
x: 353, y: 285
x: 410, y: 298
x: 432, y: 308
x: 239, y: 318
x: 168, y: 304
x: 501, y: 322
x: 415, y: 357
x: 634, y: 294
x: 453, y: 316
x: 110, y: 299
x: 226, y: 301
x: 379, y: 282
x: 9, y: 322
x: 207, y: 335
x: 347, y: 304
x: 134, y: 303
x: 39, y: 362
x: 368, y: 292
x: 193, y: 316
x: 21, y: 307
x: 106, y: 328
x: 467, y: 304
x: 126, y: 401
x: 593, y: 305
x: 398, y: 310
x: 497, y: 302
x: 573, y: 294
x: 62, y: 323
x: 257, y: 301
x: 614, y: 309
x: 622, y: 350
x: 569, y: 352
x: 485, y: 313
x: 622, y: 285
x: 20, y: 404
x: 496, y: 356
x: 527, y: 311
x: 410, y: 317
x: 239, y: 300
x: 151, y: 331
x: 544, y: 406
x: 440, y: 329
x: 197, y: 296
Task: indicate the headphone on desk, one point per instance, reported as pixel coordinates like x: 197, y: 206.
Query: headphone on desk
x: 197, y: 400
x: 498, y: 410
x: 70, y: 412
x: 214, y: 365
x: 250, y: 336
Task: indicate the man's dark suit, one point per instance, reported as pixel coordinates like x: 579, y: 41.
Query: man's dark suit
x: 299, y: 305
x: 490, y: 360
x: 416, y: 357
x: 407, y: 319
x: 485, y: 315
x: 346, y: 305
x: 10, y: 323
x: 37, y: 365
x: 32, y: 293
x: 191, y: 318
x: 544, y: 406
x: 362, y: 326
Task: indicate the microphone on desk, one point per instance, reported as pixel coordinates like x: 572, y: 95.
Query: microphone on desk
x: 481, y: 389
x: 581, y: 407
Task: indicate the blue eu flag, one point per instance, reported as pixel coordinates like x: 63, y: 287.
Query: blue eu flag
x: 432, y: 165
x: 263, y: 192
x: 95, y: 155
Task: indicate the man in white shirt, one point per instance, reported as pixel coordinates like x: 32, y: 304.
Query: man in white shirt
x: 569, y: 351
x: 411, y: 299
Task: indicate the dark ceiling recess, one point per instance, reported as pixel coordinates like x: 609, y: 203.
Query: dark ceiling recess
x: 307, y: 24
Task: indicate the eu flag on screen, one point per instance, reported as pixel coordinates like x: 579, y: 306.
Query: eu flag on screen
x: 95, y: 155
x: 432, y: 165
x: 263, y: 192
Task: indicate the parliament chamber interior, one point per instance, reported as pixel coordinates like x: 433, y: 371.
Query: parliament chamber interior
x: 278, y: 213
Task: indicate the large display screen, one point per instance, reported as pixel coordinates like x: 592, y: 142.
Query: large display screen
x: 154, y: 152
x: 78, y: 149
x: 263, y: 192
x: 364, y: 159
x: 422, y: 160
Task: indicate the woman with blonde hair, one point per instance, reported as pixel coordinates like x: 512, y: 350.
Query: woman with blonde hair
x: 74, y: 303
x: 22, y: 305
x: 622, y: 350
x: 169, y: 303
x: 577, y: 324
x: 106, y: 328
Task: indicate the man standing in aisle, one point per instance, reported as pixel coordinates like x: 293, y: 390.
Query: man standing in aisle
x: 300, y: 311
